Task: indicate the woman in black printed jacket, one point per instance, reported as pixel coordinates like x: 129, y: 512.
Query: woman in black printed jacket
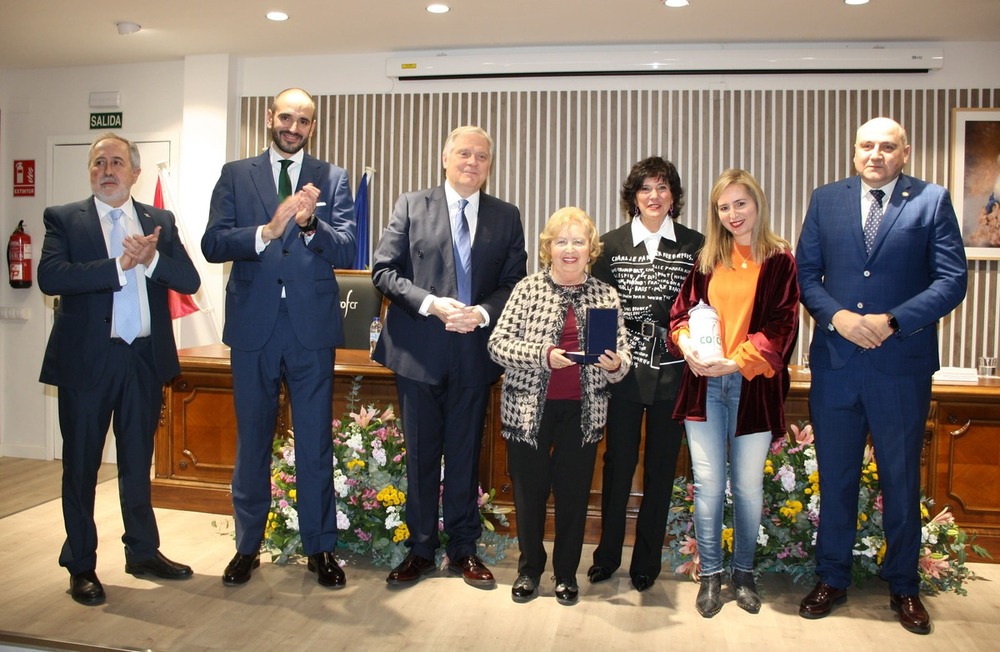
x: 646, y: 260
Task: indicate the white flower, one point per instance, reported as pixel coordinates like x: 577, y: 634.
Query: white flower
x: 929, y: 536
x: 291, y: 517
x: 340, y: 484
x: 762, y: 536
x: 343, y: 523
x: 355, y: 442
x: 378, y: 454
x: 288, y: 454
x: 810, y: 466
x: 392, y: 517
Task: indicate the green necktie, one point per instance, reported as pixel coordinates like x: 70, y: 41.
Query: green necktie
x: 284, y: 181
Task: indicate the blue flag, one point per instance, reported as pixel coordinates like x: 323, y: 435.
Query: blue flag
x: 361, y: 217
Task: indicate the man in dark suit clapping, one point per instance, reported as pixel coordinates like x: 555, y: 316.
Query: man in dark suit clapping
x: 111, y: 260
x: 447, y: 262
x: 286, y: 221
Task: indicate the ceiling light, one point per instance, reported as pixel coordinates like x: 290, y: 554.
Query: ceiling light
x: 125, y: 27
x: 438, y: 8
x: 855, y: 2
x: 276, y: 16
x: 676, y: 3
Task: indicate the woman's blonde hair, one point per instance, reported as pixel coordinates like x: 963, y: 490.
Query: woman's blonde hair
x: 719, y: 241
x: 560, y: 220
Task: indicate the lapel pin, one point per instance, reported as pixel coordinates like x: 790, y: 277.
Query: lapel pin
x: 906, y: 193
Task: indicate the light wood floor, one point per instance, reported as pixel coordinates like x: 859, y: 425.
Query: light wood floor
x: 283, y: 608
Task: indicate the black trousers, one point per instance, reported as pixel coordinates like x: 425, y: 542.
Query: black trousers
x: 562, y: 466
x: 127, y: 397
x: 621, y: 455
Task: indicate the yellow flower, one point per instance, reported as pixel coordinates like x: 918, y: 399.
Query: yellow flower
x: 727, y: 539
x: 791, y: 508
x: 923, y: 511
x: 292, y: 493
x: 401, y: 533
x: 352, y: 464
x: 881, y: 552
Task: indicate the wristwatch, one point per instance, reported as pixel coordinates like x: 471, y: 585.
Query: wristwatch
x: 893, y: 324
x: 310, y: 226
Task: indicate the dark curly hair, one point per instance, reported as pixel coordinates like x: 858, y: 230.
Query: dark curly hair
x: 656, y: 168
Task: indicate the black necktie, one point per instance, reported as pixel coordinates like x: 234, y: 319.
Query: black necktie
x: 874, y: 219
x: 284, y: 181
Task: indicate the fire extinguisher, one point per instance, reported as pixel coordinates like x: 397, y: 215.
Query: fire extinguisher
x: 19, y: 258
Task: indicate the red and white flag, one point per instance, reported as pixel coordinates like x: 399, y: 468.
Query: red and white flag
x: 181, y: 305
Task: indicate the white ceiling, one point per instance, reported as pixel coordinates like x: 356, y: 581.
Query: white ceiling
x: 56, y: 33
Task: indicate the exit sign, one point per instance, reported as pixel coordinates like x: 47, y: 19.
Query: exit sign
x: 106, y: 120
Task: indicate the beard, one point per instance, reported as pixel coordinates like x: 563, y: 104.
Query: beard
x: 284, y: 146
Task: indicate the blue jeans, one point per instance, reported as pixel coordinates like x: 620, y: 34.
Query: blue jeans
x: 710, y: 441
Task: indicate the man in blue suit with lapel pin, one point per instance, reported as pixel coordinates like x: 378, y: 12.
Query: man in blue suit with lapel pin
x: 880, y: 260
x: 447, y: 261
x: 111, y: 260
x: 283, y: 321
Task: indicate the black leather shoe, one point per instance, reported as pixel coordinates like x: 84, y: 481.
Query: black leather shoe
x: 821, y: 601
x: 599, y: 574
x: 642, y: 582
x: 159, y: 566
x: 474, y: 571
x: 745, y: 588
x: 86, y: 588
x: 709, y: 600
x: 410, y: 570
x: 567, y: 591
x: 238, y: 570
x: 912, y: 615
x: 525, y: 589
x: 328, y: 571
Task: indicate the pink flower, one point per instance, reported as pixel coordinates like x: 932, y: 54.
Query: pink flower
x: 944, y: 517
x: 387, y: 415
x: 690, y: 492
x: 804, y: 436
x: 878, y: 503
x: 777, y: 445
x: 364, y: 536
x: 397, y: 458
x: 934, y: 567
x: 364, y: 418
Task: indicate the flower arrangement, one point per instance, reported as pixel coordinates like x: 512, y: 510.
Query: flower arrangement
x: 369, y: 479
x: 788, y: 528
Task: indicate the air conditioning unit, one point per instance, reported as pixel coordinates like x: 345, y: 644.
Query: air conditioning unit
x: 666, y: 62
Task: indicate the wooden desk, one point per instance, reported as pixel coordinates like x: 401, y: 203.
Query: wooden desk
x: 196, y: 442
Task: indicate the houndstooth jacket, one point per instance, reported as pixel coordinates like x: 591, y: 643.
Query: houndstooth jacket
x: 528, y: 329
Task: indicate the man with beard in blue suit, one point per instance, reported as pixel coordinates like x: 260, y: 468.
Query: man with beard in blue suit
x: 283, y: 321
x: 876, y: 286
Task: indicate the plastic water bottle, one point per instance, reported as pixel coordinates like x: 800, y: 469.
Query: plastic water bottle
x: 373, y: 334
x: 703, y: 323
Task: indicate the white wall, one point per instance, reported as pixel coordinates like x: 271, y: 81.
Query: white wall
x: 196, y: 101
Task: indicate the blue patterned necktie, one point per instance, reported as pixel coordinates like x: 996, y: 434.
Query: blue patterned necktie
x: 128, y: 322
x: 874, y: 219
x: 463, y: 254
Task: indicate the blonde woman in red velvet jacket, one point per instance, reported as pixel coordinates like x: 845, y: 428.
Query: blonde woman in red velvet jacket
x: 733, y: 405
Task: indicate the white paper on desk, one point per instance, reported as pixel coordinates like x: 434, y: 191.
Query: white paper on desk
x: 956, y: 375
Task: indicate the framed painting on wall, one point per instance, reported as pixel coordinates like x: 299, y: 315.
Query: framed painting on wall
x: 975, y: 179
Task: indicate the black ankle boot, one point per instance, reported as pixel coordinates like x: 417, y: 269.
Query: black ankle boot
x: 709, y: 600
x: 747, y: 597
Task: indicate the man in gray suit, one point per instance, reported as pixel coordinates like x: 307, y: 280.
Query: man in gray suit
x: 446, y: 297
